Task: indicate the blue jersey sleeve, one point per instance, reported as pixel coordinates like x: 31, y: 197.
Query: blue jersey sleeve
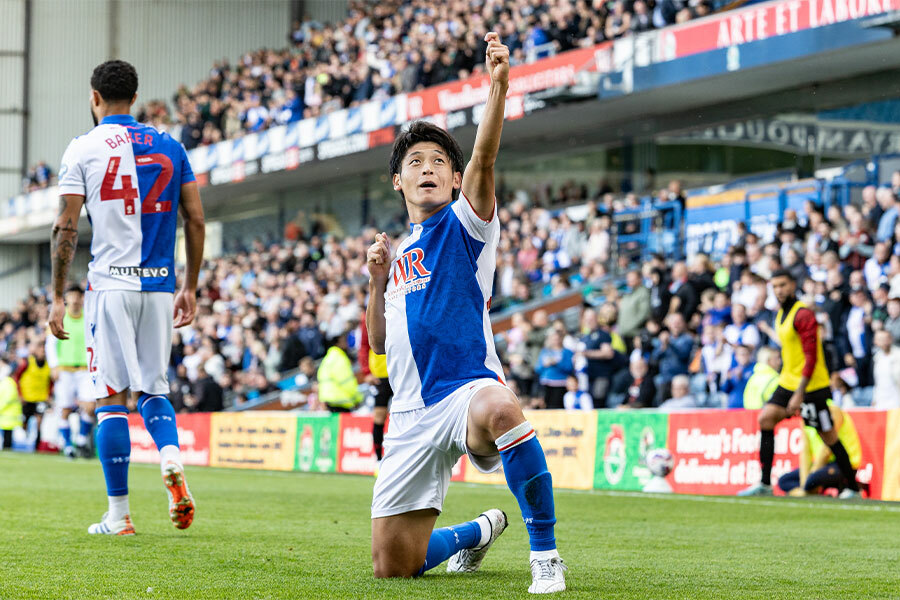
x: 187, y: 173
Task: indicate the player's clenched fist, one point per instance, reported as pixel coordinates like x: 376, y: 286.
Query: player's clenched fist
x: 497, y: 59
x: 378, y: 258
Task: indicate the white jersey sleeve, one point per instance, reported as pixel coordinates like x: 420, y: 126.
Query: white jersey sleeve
x: 71, y: 171
x: 478, y: 228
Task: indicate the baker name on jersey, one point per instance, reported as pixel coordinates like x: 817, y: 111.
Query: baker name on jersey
x: 133, y: 137
x: 140, y: 271
x: 410, y: 274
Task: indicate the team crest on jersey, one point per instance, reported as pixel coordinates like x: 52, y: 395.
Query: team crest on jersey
x: 409, y: 273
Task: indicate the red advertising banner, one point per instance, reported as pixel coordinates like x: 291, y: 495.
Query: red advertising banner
x: 544, y: 74
x: 871, y: 425
x: 761, y: 21
x: 356, y: 453
x: 193, y: 437
x: 717, y: 452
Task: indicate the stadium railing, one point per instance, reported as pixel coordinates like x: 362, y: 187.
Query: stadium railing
x: 763, y: 205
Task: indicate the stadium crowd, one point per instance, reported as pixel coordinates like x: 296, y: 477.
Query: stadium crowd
x: 672, y: 334
x: 388, y: 47
x: 37, y: 177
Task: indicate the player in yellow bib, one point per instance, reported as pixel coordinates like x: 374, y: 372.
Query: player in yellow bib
x: 804, y: 387
x: 33, y: 378
x: 817, y: 470
x: 374, y: 368
x: 72, y: 389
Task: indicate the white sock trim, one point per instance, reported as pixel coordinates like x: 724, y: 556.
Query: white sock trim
x: 517, y: 435
x: 118, y: 507
x: 169, y: 454
x: 486, y: 530
x: 544, y: 554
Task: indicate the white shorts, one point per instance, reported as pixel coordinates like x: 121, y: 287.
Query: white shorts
x: 72, y: 387
x: 129, y: 340
x: 420, y: 448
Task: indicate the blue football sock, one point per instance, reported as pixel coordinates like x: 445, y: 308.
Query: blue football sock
x: 66, y: 434
x: 86, y: 427
x: 114, y: 447
x: 159, y: 419
x: 529, y: 480
x: 447, y: 541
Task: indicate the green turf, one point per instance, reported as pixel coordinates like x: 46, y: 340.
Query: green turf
x: 289, y: 535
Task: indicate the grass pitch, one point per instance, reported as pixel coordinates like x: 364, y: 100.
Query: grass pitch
x: 289, y: 535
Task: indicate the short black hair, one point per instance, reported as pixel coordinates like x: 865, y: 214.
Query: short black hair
x: 116, y: 80
x: 74, y: 287
x: 423, y: 131
x: 782, y: 273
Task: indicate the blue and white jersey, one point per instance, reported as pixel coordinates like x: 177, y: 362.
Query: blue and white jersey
x: 130, y: 176
x: 436, y: 307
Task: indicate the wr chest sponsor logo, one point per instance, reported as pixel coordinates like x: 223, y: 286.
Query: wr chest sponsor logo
x: 410, y: 274
x: 140, y: 271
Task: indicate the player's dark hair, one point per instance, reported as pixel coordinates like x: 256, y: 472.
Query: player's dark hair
x: 782, y: 273
x: 116, y: 80
x: 423, y: 131
x: 74, y: 287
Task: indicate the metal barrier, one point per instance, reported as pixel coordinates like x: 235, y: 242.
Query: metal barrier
x: 641, y: 232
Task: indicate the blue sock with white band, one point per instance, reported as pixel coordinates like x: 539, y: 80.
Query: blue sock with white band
x: 86, y: 426
x: 447, y: 541
x: 114, y: 451
x: 159, y: 419
x: 529, y: 480
x: 66, y: 432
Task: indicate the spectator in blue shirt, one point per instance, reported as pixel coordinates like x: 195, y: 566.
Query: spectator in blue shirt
x: 554, y: 365
x: 738, y: 376
x: 888, y: 203
x: 600, y: 357
x: 673, y: 351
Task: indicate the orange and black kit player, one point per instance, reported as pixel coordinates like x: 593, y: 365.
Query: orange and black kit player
x: 804, y: 384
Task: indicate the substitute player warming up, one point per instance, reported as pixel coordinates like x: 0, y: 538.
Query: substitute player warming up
x: 428, y: 311
x: 132, y: 179
x: 804, y: 387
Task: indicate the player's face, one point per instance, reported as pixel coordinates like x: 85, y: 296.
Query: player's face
x: 426, y: 176
x: 783, y: 288
x: 75, y: 301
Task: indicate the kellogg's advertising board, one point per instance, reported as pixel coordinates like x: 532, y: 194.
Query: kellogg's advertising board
x: 717, y: 452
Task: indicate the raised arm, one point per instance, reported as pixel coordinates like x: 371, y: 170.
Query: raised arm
x: 378, y: 259
x: 63, y: 242
x: 478, y: 179
x: 191, y: 209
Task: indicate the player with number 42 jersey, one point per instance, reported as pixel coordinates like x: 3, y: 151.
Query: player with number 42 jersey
x: 130, y: 176
x: 133, y: 180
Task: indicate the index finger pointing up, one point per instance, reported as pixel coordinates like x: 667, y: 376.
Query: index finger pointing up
x: 492, y: 36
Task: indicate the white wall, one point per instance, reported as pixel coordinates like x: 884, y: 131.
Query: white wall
x: 12, y: 69
x: 169, y: 42
x: 18, y: 273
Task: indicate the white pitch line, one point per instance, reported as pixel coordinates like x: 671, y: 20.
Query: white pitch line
x: 820, y: 503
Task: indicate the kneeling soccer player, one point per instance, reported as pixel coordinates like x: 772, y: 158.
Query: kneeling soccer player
x: 428, y: 311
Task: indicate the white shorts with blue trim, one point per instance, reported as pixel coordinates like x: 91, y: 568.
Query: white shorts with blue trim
x: 421, y: 447
x: 72, y: 387
x: 129, y: 340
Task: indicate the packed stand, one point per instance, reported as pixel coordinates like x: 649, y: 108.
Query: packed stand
x: 680, y: 335
x: 389, y: 47
x: 701, y: 334
x: 269, y: 312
